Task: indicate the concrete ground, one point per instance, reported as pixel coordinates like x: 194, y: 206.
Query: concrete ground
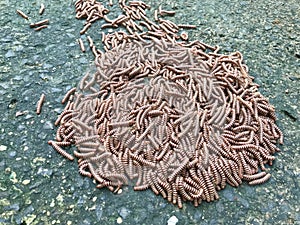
x: 38, y: 186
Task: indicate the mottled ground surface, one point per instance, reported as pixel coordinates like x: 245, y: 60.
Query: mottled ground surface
x: 38, y: 186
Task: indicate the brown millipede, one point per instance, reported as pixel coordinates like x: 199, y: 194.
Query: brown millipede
x: 178, y: 170
x: 40, y: 27
x: 254, y: 176
x: 83, y: 172
x: 81, y: 45
x: 165, y: 12
x: 42, y: 9
x: 60, y: 150
x: 40, y: 23
x: 90, y: 40
x: 85, y: 139
x: 40, y: 104
x: 260, y: 180
x: 85, y: 28
x: 22, y: 14
x: 68, y: 94
x: 141, y: 187
x: 84, y: 155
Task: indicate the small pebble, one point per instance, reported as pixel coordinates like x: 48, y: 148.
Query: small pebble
x: 9, y: 54
x: 13, y: 177
x: 25, y: 182
x: 173, y: 220
x: 48, y: 125
x: 124, y: 212
x: 3, y: 148
x: 12, y: 154
x: 21, y: 113
x: 119, y: 220
x: 52, y: 204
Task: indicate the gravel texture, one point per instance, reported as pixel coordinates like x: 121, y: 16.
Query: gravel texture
x: 38, y: 186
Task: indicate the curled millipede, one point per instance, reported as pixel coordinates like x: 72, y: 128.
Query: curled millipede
x: 60, y: 150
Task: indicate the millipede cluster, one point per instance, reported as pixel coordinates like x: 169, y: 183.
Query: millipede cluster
x: 178, y: 118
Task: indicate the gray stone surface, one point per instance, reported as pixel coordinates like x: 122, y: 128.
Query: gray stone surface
x: 38, y: 186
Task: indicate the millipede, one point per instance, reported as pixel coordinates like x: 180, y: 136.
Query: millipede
x: 40, y: 104
x: 165, y: 114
